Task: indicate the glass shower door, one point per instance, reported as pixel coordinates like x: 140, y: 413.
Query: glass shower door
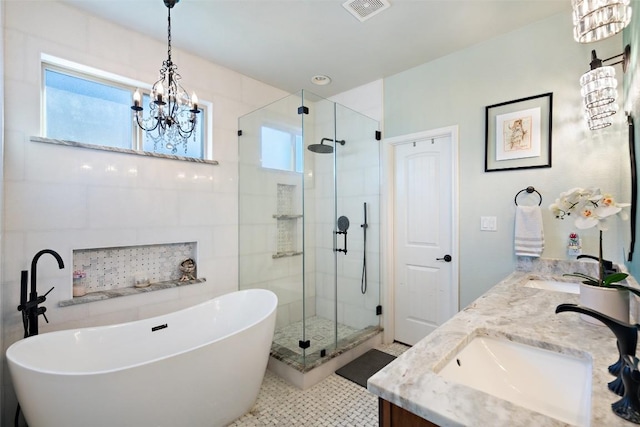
x: 319, y: 213
x: 270, y: 231
x: 357, y: 201
x: 342, y: 207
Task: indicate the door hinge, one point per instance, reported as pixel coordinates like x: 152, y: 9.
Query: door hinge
x: 303, y: 110
x: 378, y: 135
x: 304, y: 344
x: 378, y: 310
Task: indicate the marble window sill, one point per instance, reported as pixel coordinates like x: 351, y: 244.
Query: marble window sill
x: 120, y: 150
x: 123, y: 292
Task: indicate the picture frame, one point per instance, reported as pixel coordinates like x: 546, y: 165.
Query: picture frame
x: 518, y: 134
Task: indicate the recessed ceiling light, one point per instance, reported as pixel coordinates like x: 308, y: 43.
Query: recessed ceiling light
x: 320, y: 80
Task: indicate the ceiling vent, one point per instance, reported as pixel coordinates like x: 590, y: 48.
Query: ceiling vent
x: 365, y: 9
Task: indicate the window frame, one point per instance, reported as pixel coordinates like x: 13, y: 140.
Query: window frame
x: 294, y: 132
x: 59, y: 65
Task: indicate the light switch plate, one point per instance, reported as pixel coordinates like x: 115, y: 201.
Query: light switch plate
x: 488, y: 223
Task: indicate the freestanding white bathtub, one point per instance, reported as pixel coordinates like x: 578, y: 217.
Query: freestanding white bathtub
x: 201, y: 366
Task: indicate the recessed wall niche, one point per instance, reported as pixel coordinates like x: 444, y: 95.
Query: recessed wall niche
x: 118, y: 267
x: 287, y: 222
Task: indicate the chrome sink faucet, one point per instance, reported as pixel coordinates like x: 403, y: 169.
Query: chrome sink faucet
x: 30, y: 310
x: 627, y: 384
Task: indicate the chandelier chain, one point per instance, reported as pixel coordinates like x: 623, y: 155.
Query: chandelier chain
x: 169, y: 35
x: 172, y: 112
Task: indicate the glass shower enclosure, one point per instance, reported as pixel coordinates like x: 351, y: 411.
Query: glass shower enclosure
x: 309, y: 223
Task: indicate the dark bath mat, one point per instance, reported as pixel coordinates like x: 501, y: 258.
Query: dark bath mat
x: 361, y: 369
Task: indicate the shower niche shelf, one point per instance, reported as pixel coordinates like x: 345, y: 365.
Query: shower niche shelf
x: 285, y: 254
x: 287, y: 225
x: 286, y: 216
x: 286, y: 222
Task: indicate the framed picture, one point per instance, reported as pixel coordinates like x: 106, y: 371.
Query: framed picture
x: 518, y: 134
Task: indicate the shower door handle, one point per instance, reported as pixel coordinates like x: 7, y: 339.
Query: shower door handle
x: 446, y: 258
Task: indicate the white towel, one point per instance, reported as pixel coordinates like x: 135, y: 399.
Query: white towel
x: 529, y: 237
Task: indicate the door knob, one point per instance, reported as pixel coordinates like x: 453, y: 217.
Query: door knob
x: 446, y: 258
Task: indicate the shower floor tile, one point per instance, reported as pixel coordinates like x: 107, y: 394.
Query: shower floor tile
x: 334, y: 401
x: 320, y: 332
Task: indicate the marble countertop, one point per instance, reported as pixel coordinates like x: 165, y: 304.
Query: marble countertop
x: 516, y: 312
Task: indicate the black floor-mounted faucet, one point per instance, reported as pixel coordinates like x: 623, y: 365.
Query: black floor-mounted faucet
x: 30, y: 310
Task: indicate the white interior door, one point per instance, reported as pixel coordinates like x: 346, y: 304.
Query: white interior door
x: 425, y: 293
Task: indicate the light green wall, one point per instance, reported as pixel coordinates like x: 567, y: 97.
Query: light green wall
x: 455, y: 89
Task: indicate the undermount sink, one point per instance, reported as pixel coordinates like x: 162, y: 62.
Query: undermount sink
x: 554, y: 384
x: 554, y: 285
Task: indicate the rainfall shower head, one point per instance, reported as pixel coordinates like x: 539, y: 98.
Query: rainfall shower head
x: 320, y: 148
x: 324, y: 149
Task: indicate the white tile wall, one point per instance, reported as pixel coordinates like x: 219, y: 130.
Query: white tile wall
x: 65, y: 198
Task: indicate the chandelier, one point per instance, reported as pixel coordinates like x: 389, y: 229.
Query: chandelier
x: 172, y: 113
x: 595, y: 20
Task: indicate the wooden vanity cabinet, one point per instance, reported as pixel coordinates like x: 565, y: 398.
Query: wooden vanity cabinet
x: 390, y: 415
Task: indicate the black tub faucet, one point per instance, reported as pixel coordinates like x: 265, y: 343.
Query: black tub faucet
x: 30, y: 310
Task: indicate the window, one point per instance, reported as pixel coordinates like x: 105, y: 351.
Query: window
x: 90, y: 109
x: 281, y: 149
x: 82, y: 110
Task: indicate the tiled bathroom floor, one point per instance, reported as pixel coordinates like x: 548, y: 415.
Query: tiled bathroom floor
x: 334, y: 402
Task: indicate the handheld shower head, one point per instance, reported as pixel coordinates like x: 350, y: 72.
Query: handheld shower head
x: 343, y: 223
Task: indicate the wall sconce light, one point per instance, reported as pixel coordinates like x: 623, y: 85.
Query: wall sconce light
x: 598, y: 89
x: 595, y: 20
x: 596, y: 124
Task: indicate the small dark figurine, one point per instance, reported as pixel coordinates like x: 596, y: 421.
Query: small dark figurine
x: 187, y: 267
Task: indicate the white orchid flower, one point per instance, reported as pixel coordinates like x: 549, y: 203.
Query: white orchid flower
x: 605, y: 211
x: 590, y: 207
x: 587, y: 219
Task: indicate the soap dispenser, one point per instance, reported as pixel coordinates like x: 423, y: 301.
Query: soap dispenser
x: 574, y: 248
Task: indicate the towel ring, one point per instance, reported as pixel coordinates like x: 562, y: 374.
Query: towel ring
x: 529, y: 190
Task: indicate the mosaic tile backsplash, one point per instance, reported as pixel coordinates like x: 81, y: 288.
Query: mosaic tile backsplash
x: 115, y: 268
